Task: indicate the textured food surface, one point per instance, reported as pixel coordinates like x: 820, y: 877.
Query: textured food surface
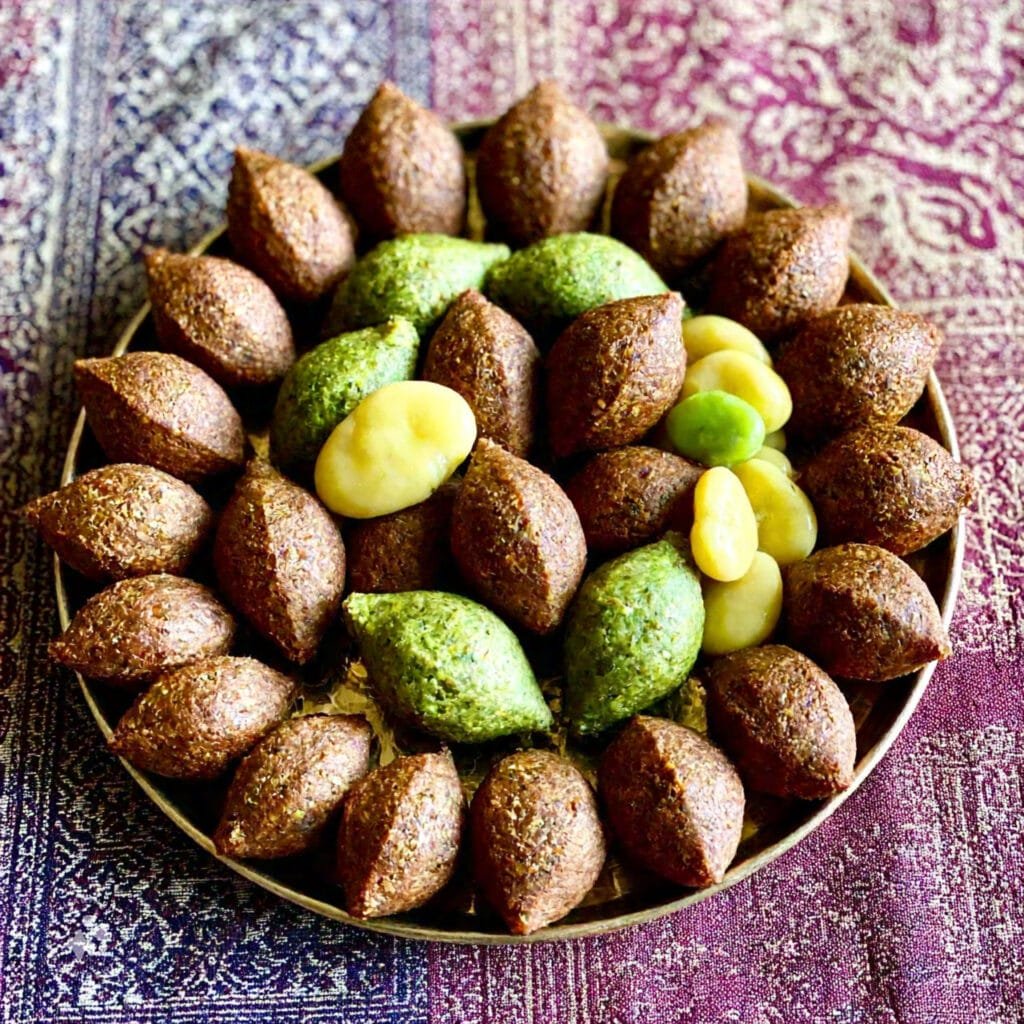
x: 195, y: 720
x: 280, y: 560
x: 517, y: 538
x: 674, y: 801
x: 862, y: 613
x: 783, y: 721
x: 287, y: 226
x: 401, y: 169
x: 537, y: 841
x: 123, y: 520
x: 400, y: 832
x: 287, y: 789
x: 541, y: 168
x: 137, y: 628
x: 161, y: 410
x: 489, y: 358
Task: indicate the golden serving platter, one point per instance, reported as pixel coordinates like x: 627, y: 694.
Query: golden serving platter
x: 622, y: 898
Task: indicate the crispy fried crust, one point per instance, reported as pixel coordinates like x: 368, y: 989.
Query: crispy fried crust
x: 783, y: 721
x: 285, y: 791
x: 195, y: 720
x: 280, y: 560
x: 123, y: 520
x: 129, y: 633
x: 399, y: 836
x: 161, y: 410
x: 538, y: 845
x: 862, y: 613
x: 674, y: 801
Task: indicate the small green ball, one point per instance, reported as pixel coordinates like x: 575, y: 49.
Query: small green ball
x: 715, y: 428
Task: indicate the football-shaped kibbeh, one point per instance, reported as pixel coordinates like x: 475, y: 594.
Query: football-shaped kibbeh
x: 536, y: 838
x: 195, y: 720
x: 517, y: 538
x: 159, y: 409
x: 541, y: 168
x: 219, y: 315
x: 679, y: 197
x: 862, y: 613
x: 502, y: 431
x: 137, y: 628
x: 123, y: 520
x: 280, y: 560
x: 783, y: 721
x: 399, y: 838
x: 287, y: 227
x: 674, y: 801
x: 292, y: 783
x: 401, y: 170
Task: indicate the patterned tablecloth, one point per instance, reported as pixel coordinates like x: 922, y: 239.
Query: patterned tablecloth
x: 117, y: 123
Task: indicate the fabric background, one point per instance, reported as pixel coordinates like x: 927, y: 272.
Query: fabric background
x: 117, y: 123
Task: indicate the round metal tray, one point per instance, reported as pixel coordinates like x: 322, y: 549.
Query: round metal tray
x: 880, y: 711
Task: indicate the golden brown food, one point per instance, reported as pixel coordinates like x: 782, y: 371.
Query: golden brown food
x: 220, y: 316
x: 673, y: 800
x: 489, y: 358
x: 280, y: 560
x: 288, y: 788
x: 679, y: 197
x: 517, y: 538
x: 406, y: 550
x: 161, y: 410
x: 541, y: 168
x: 129, y: 633
x: 862, y: 613
x: 195, y: 720
x: 285, y: 225
x: 399, y: 836
x: 402, y: 169
x: 628, y: 496
x: 614, y: 372
x: 123, y: 520
x: 537, y: 841
x: 890, y: 486
x: 856, y: 365
x: 782, y: 267
x: 783, y: 721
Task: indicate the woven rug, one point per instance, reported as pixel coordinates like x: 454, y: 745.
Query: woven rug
x: 117, y: 123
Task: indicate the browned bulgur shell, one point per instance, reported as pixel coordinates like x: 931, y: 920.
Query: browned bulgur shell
x: 541, y: 168
x: 195, y: 720
x: 673, y: 800
x: 161, y: 410
x: 613, y: 372
x: 538, y: 846
x: 856, y: 365
x: 137, y: 628
x: 402, y: 169
x: 679, y: 197
x: 123, y: 520
x: 219, y: 315
x: 280, y: 560
x: 783, y: 721
x: 406, y: 550
x: 628, y: 496
x: 285, y: 792
x: 782, y: 267
x: 285, y: 225
x: 890, y: 486
x: 489, y: 358
x: 517, y: 538
x: 399, y: 836
x: 861, y: 613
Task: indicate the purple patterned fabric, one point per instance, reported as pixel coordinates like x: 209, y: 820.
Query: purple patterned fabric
x: 117, y: 125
